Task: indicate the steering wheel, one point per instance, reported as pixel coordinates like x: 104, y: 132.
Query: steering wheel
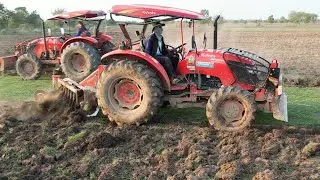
x: 66, y: 36
x: 177, y: 49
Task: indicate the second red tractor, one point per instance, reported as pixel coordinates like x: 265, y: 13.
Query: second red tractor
x: 77, y: 56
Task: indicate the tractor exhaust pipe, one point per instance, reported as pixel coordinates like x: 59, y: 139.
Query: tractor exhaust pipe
x: 45, y: 39
x: 215, y: 32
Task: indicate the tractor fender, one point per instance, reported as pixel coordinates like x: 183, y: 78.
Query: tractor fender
x: 141, y: 56
x: 88, y: 40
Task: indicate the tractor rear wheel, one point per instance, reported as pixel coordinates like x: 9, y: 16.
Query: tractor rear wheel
x: 79, y: 60
x: 129, y: 92
x: 28, y: 67
x: 231, y: 109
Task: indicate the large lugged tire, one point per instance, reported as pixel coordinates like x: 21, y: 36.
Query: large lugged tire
x: 231, y: 109
x: 28, y: 67
x: 79, y: 60
x: 129, y: 92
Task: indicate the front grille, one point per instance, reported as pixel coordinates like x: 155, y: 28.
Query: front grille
x: 254, y: 74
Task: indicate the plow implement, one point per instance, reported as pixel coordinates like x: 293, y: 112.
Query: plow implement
x: 7, y: 64
x: 78, y: 96
x: 75, y: 96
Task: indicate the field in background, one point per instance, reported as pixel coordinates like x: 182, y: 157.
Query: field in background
x: 295, y: 46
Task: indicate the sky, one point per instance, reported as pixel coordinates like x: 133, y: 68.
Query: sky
x: 229, y: 9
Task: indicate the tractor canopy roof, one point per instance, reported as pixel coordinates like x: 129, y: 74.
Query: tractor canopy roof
x: 85, y: 14
x: 152, y: 11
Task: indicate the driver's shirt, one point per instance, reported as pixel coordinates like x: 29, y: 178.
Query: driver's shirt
x: 159, y: 50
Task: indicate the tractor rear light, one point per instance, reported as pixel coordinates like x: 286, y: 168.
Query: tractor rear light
x: 274, y: 64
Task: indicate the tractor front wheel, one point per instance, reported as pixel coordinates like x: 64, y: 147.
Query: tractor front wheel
x: 28, y: 67
x: 79, y: 60
x: 129, y: 92
x: 231, y: 109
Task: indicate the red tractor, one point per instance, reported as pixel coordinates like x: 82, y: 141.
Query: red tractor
x: 131, y: 86
x: 77, y: 56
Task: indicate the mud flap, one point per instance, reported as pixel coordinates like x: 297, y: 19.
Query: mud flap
x: 280, y: 108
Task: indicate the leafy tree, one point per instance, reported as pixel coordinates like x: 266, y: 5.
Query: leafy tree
x: 34, y: 19
x: 283, y: 19
x: 56, y: 24
x: 206, y: 13
x: 4, y: 16
x: 271, y: 19
x: 302, y: 17
x: 18, y: 18
x: 58, y: 11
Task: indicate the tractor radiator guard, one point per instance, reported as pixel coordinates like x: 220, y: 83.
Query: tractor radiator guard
x: 7, y: 63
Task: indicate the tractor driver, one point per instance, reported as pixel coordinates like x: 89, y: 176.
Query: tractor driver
x: 82, y: 30
x: 156, y: 47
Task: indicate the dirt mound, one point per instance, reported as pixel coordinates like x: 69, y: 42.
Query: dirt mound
x: 67, y: 145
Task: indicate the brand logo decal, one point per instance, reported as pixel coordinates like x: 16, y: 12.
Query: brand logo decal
x: 205, y: 64
x: 149, y: 12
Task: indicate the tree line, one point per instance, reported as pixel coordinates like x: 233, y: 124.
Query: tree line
x: 293, y: 17
x: 18, y: 18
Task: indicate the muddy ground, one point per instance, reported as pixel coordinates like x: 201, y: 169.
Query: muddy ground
x: 51, y: 142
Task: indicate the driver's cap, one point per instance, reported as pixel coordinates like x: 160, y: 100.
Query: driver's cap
x: 157, y: 24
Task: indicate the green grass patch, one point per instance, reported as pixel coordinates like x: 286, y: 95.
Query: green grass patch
x: 77, y: 136
x: 303, y: 103
x: 13, y: 88
x: 303, y: 110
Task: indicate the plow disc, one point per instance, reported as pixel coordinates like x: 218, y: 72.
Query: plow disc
x: 78, y: 97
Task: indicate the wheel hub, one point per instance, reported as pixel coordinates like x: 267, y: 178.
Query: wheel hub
x: 78, y: 62
x: 128, y: 94
x: 28, y: 68
x: 232, y: 110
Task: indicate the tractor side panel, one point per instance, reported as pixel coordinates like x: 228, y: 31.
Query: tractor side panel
x: 93, y: 78
x: 210, y: 63
x: 139, y: 55
x: 88, y: 40
x: 54, y: 45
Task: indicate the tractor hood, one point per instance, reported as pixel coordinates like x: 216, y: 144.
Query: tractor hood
x: 247, y: 67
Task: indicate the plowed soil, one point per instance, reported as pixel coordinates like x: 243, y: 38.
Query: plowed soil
x: 51, y: 142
